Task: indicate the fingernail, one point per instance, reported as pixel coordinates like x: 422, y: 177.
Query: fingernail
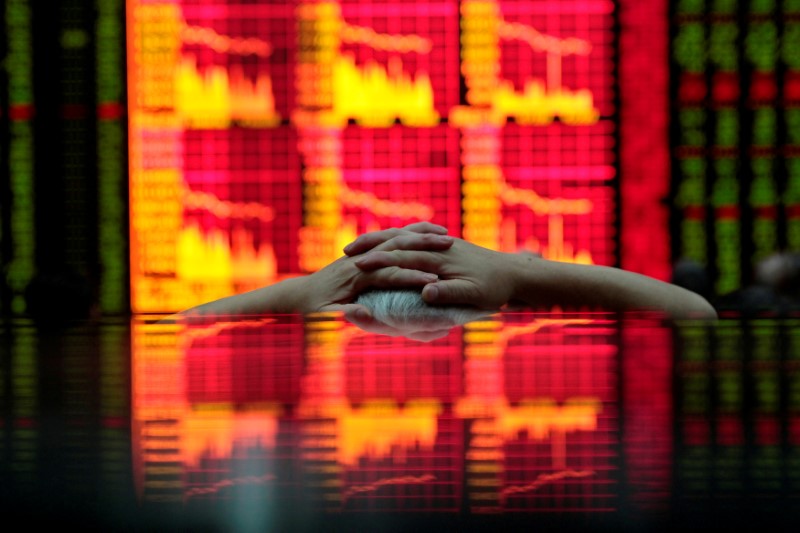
x: 362, y: 314
x: 430, y: 278
x: 348, y: 248
x: 432, y: 292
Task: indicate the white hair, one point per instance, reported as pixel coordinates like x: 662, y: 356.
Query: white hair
x: 405, y: 308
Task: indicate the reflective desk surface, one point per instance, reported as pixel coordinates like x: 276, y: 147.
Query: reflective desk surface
x: 287, y: 423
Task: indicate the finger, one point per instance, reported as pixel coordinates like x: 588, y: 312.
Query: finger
x: 426, y: 227
x: 426, y: 336
x: 392, y: 277
x: 368, y: 241
x: 361, y: 317
x: 416, y: 241
x: 452, y: 291
x: 355, y: 313
x: 369, y: 324
x: 409, y: 259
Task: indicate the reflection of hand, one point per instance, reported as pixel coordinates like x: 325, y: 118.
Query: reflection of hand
x: 373, y: 325
x: 402, y: 312
x: 468, y: 274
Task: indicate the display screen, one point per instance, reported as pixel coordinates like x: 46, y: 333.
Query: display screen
x: 265, y: 136
x: 735, y: 136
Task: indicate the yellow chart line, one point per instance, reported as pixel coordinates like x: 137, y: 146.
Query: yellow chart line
x: 542, y: 42
x: 385, y: 41
x: 223, y: 209
x: 223, y: 43
x: 385, y: 208
x: 541, y: 205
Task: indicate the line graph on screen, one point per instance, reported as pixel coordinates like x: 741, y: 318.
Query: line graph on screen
x: 338, y: 212
x: 214, y: 95
x: 194, y: 199
x: 494, y: 208
x: 218, y: 256
x: 217, y: 95
x: 542, y: 98
x: 227, y: 250
x: 373, y: 93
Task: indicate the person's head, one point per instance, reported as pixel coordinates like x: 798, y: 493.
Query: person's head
x: 58, y: 296
x: 404, y: 312
x: 693, y: 276
x: 779, y: 271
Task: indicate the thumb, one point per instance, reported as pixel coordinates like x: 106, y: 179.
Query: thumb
x: 451, y: 291
x: 353, y: 312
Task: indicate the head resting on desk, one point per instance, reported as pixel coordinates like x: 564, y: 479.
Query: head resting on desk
x: 404, y: 312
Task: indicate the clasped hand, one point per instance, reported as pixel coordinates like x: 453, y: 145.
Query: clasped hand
x: 466, y: 274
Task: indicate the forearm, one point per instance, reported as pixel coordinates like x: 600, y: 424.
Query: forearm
x: 542, y: 283
x: 282, y: 297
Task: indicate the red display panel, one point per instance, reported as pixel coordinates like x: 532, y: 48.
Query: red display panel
x: 538, y: 120
x: 241, y: 188
x: 645, y: 173
x: 265, y: 136
x: 215, y: 195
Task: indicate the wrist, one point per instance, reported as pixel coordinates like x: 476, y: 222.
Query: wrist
x: 540, y: 282
x: 290, y: 297
x: 524, y: 271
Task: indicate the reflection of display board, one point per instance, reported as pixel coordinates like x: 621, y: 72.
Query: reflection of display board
x: 265, y: 137
x: 521, y: 414
x: 737, y: 424
x: 542, y: 415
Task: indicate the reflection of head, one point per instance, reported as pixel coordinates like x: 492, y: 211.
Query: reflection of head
x: 405, y: 309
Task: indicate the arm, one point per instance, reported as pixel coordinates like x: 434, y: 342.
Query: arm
x: 281, y: 297
x: 470, y: 274
x: 334, y: 287
x: 549, y: 283
x: 330, y: 289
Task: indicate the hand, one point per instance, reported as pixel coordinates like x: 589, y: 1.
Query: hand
x: 417, y: 236
x: 373, y: 325
x: 335, y: 286
x: 468, y: 274
x: 331, y: 288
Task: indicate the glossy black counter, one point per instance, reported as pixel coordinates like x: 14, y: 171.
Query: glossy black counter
x: 284, y: 423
